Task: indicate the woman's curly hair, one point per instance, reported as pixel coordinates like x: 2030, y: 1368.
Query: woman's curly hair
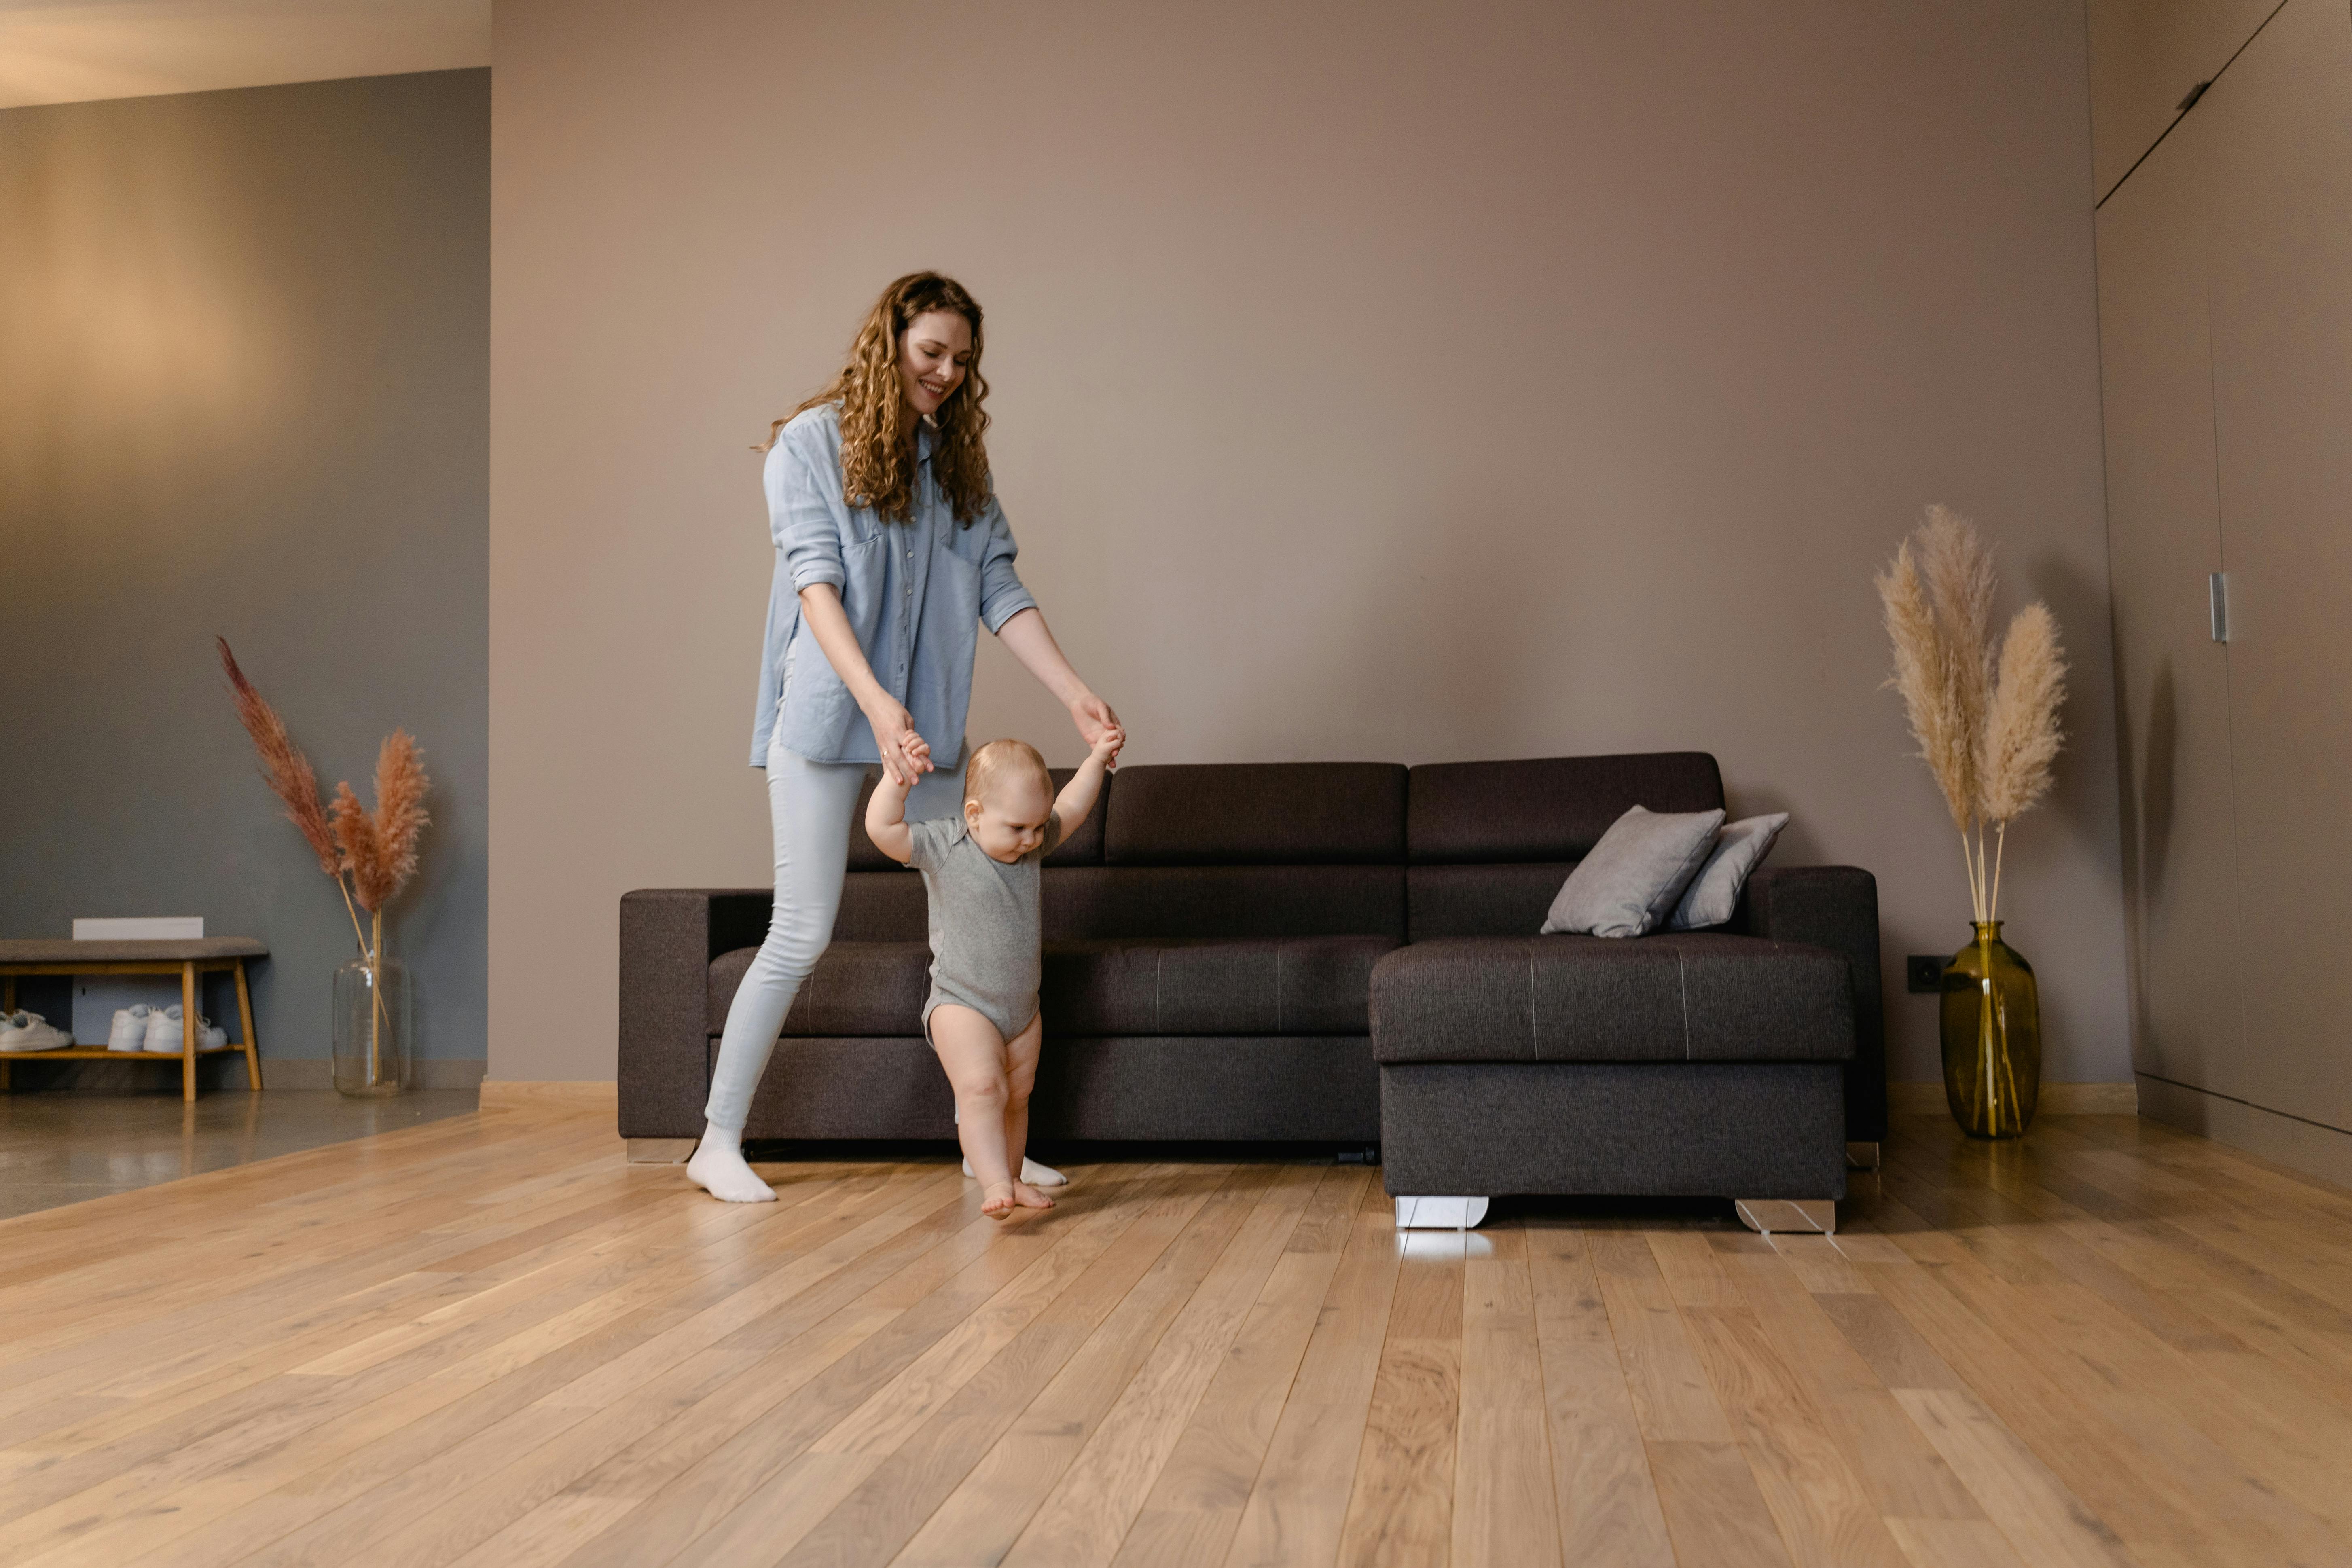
x: 878, y: 428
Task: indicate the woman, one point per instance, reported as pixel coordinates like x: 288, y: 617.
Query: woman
x: 890, y: 552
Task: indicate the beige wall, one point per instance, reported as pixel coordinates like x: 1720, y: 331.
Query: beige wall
x: 1392, y: 381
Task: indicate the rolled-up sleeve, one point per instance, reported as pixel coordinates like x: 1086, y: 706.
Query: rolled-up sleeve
x: 1002, y: 594
x: 802, y: 517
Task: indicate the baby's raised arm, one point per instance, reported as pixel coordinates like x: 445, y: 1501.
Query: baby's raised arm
x: 1077, y: 796
x: 886, y: 819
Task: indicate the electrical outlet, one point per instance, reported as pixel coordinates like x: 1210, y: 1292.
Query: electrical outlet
x: 1924, y: 971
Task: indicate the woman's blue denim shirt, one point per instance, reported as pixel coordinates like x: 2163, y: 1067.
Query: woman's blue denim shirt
x: 916, y: 593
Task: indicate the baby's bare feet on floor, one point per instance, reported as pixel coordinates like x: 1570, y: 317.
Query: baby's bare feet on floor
x: 997, y: 1199
x: 1029, y: 1197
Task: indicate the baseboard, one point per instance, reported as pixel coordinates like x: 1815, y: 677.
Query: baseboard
x: 2056, y: 1098
x: 2312, y: 1147
x: 219, y: 1073
x: 503, y: 1092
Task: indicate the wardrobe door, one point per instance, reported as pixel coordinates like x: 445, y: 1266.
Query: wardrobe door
x: 2172, y: 678
x: 2278, y: 124
x: 2146, y: 56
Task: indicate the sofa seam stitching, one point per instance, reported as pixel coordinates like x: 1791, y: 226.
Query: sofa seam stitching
x: 1534, y: 1043
x: 1278, y: 988
x: 1682, y: 984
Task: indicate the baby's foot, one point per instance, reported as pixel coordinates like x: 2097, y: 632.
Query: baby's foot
x: 723, y: 1174
x: 1036, y: 1175
x: 998, y: 1198
x: 1029, y: 1197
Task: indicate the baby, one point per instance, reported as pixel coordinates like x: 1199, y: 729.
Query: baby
x: 982, y: 873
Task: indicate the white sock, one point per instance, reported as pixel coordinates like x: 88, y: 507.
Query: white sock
x: 718, y: 1168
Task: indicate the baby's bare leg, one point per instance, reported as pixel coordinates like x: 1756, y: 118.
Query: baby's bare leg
x: 972, y: 1053
x: 1020, y: 1079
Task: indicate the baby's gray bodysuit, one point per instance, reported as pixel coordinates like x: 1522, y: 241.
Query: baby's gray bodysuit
x: 984, y: 941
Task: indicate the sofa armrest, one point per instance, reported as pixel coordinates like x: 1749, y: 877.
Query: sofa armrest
x: 668, y: 937
x: 1834, y: 907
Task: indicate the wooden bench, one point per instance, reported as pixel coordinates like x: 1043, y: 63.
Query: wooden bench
x: 188, y: 959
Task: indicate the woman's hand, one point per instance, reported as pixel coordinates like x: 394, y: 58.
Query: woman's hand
x: 906, y: 755
x: 1095, y: 719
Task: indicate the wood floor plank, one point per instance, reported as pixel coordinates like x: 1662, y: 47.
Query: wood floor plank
x: 1298, y: 1503
x: 1402, y: 1507
x: 491, y: 1341
x: 1195, y: 1505
x: 1825, y: 1512
x: 1714, y: 1511
x: 2039, y: 1517
x: 1504, y: 1509
x: 1096, y: 1499
x: 1672, y: 1397
x: 983, y: 1515
x: 1605, y: 1499
x: 877, y: 1519
x: 2136, y: 1377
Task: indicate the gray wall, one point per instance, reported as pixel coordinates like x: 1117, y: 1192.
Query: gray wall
x: 244, y: 377
x: 1377, y: 381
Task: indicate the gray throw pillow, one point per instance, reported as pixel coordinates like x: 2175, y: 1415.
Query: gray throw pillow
x: 1713, y: 893
x: 1634, y: 875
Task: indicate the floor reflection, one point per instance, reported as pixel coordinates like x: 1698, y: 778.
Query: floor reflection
x: 64, y: 1146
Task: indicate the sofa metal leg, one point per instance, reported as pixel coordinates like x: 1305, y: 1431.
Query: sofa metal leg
x: 660, y: 1151
x: 1803, y: 1215
x: 1439, y: 1214
x: 1861, y: 1156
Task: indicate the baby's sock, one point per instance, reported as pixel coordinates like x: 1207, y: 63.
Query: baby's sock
x: 718, y: 1168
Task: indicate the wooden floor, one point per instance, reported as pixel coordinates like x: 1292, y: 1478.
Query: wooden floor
x: 487, y: 1340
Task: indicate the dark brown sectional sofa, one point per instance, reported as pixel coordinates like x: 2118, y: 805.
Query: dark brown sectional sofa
x: 1333, y: 953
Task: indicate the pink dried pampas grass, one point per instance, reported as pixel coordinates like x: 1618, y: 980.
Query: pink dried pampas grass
x: 283, y: 767
x: 1987, y: 727
x: 377, y: 853
x: 381, y: 849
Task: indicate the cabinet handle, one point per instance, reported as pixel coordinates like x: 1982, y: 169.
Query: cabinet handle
x: 2217, y: 587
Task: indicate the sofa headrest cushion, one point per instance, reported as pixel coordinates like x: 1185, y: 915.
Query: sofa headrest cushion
x: 1257, y: 813
x: 1546, y: 808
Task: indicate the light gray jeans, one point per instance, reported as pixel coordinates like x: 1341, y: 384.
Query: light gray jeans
x: 810, y: 806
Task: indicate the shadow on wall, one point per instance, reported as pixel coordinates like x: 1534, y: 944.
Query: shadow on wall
x: 2080, y: 604
x: 2150, y: 762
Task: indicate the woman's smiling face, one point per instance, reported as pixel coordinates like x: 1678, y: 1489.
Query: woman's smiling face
x: 933, y: 352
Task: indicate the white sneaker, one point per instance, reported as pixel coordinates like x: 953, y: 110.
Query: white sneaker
x: 1036, y: 1175
x: 210, y: 1037
x: 163, y: 1030
x: 129, y: 1030
x: 22, y: 1031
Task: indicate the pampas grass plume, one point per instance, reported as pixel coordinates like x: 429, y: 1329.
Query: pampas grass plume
x: 1987, y: 725
x: 381, y: 849
x: 1958, y: 569
x: 283, y: 767
x: 2022, y: 737
x: 1929, y: 692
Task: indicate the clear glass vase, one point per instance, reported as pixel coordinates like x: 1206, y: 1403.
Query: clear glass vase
x: 1992, y: 1037
x: 372, y: 1006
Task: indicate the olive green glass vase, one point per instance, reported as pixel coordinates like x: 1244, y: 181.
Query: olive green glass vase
x: 1992, y: 1037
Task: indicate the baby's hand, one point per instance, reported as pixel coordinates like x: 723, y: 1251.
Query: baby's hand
x: 1107, y: 745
